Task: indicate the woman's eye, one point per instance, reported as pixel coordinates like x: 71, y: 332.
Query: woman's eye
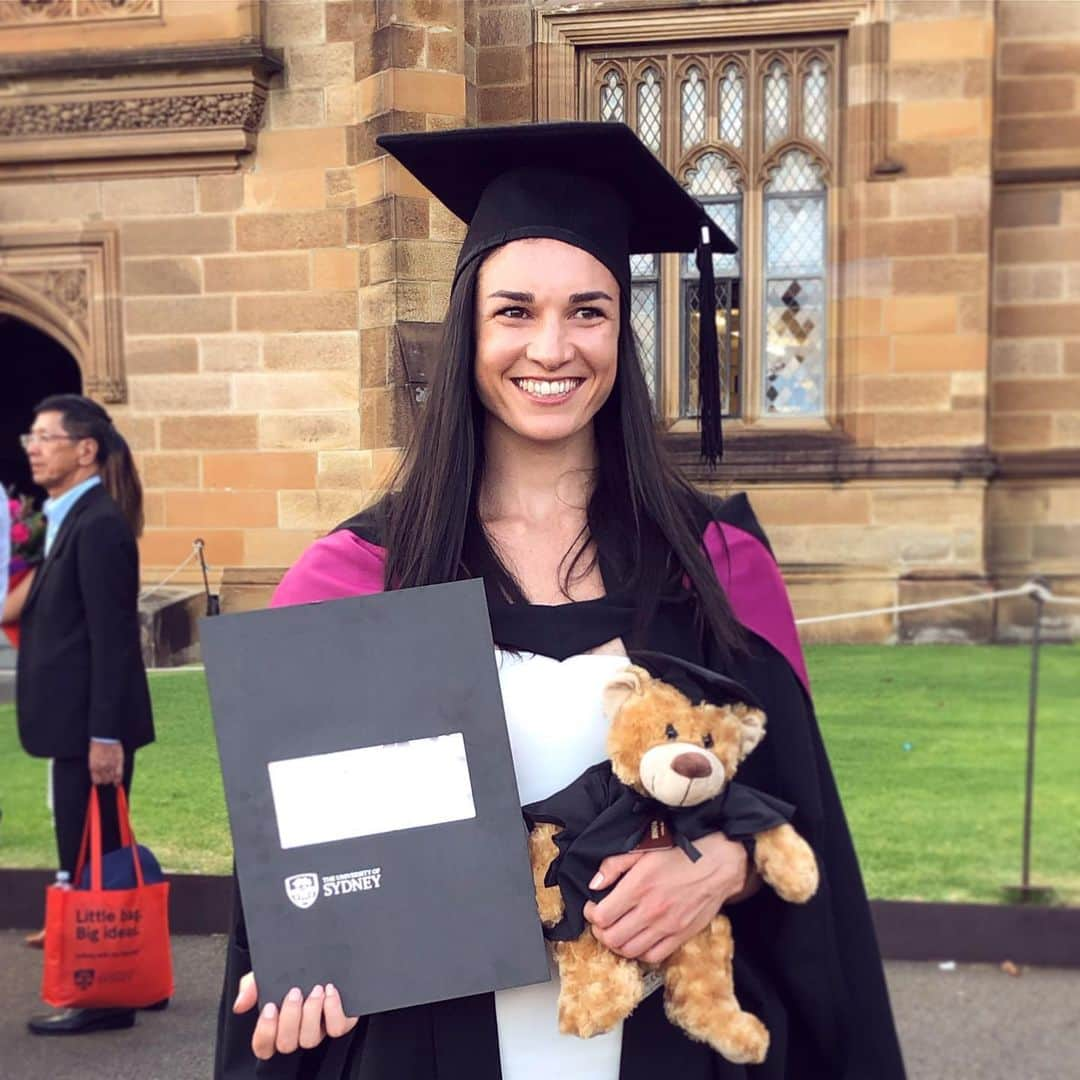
x: 512, y: 312
x: 670, y: 732
x: 588, y: 313
x: 707, y: 742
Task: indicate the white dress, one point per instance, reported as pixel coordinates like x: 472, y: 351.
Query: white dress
x: 557, y: 730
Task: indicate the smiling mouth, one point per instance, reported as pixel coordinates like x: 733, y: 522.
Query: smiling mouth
x: 548, y: 389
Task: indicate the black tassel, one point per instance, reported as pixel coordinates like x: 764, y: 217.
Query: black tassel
x: 709, y: 401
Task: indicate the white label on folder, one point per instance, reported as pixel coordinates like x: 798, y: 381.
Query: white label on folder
x: 376, y: 789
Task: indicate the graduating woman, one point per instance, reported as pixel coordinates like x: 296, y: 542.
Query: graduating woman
x: 537, y: 467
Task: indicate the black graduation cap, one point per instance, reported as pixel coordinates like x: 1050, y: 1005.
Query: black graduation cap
x: 593, y: 185
x: 695, y: 682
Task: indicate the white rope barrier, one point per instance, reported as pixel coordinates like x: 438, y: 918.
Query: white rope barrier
x: 165, y: 580
x: 1036, y: 590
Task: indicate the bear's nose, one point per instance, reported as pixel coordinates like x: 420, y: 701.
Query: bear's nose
x: 692, y: 766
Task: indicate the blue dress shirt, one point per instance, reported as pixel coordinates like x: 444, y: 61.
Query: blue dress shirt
x: 55, y: 510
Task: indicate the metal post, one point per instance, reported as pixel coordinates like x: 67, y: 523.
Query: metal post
x: 1028, y: 893
x: 1033, y: 708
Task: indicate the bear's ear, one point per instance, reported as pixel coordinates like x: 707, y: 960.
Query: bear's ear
x: 631, y: 680
x: 751, y: 729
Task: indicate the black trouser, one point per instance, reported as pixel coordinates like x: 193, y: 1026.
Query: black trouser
x: 71, y: 793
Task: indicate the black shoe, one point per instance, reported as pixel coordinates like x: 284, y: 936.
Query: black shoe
x: 157, y: 1006
x: 78, y: 1021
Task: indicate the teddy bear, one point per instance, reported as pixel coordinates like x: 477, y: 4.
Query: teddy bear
x: 667, y: 781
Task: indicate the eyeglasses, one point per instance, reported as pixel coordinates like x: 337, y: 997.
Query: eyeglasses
x: 32, y: 437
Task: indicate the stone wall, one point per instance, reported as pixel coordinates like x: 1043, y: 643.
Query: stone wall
x: 1034, y: 508
x: 261, y: 307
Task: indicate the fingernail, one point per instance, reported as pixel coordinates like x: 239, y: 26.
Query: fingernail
x: 596, y: 881
x: 331, y: 988
x: 316, y: 992
x: 294, y: 994
x: 269, y: 1011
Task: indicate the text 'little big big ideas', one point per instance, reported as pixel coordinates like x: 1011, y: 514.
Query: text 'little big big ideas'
x: 97, y: 924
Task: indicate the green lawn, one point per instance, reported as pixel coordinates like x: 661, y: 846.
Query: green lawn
x: 927, y: 743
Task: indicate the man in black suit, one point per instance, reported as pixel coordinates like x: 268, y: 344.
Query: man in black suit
x: 81, y: 691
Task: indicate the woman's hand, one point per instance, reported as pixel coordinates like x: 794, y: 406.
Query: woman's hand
x: 663, y: 899
x: 298, y: 1023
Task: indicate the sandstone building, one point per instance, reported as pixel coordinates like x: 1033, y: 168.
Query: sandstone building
x: 197, y: 228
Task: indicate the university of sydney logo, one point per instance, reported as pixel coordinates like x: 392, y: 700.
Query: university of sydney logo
x: 302, y: 889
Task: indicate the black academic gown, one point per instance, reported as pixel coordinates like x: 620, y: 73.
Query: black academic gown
x: 811, y: 972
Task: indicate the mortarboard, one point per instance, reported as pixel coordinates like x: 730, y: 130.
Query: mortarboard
x: 593, y: 185
x: 697, y: 683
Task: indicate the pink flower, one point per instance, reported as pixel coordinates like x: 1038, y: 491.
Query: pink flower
x: 20, y: 532
x: 15, y: 507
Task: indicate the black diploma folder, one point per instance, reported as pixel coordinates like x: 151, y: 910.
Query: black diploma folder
x: 375, y: 817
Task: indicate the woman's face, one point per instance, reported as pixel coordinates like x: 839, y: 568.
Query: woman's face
x: 547, y: 333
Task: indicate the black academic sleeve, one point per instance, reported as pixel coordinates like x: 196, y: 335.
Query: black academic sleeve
x: 823, y: 955
x: 108, y: 572
x: 233, y: 1056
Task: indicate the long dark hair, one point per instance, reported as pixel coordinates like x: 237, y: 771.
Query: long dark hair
x: 640, y: 517
x: 86, y: 419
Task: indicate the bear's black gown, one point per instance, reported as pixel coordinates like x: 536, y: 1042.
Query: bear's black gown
x: 811, y: 972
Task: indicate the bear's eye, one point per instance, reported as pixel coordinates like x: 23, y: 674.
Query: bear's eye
x: 670, y: 732
x: 707, y: 742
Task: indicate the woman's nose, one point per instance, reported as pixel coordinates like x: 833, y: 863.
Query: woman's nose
x: 549, y: 346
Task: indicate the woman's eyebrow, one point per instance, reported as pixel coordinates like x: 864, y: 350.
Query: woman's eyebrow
x: 520, y: 297
x: 585, y: 297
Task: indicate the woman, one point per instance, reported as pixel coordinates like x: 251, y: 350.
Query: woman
x: 537, y: 467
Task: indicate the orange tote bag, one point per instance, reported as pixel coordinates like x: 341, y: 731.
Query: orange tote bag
x: 107, y: 948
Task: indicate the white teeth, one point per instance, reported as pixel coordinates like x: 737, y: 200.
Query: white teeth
x: 547, y: 387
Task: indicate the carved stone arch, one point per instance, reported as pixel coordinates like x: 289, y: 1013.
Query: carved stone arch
x: 682, y: 68
x: 40, y: 311
x: 641, y: 64
x: 767, y: 59
x: 66, y: 282
x: 691, y: 159
x: 806, y: 59
x: 723, y: 63
x: 680, y: 81
x: 771, y: 162
x: 603, y: 72
x: 639, y: 67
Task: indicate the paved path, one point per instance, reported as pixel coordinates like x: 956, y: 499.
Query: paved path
x: 973, y: 1023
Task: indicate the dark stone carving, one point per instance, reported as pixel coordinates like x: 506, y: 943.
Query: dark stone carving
x: 67, y: 289
x: 132, y: 114
x: 53, y: 11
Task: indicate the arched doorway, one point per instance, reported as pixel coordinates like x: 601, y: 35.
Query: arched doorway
x: 33, y: 365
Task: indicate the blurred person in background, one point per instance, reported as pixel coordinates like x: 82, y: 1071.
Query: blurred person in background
x: 5, y: 545
x: 81, y: 692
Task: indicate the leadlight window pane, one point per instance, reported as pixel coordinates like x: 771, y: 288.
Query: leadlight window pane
x: 794, y: 331
x: 693, y: 108
x: 816, y: 103
x: 728, y: 345
x: 777, y: 104
x: 650, y: 110
x: 612, y: 98
x: 728, y: 215
x: 643, y: 265
x: 731, y: 106
x: 644, y: 312
x: 715, y: 182
x: 795, y: 234
x: 794, y: 347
